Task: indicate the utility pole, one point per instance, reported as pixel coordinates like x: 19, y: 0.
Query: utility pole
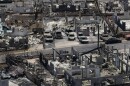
x: 80, y: 14
x: 75, y: 25
x: 36, y: 9
x: 51, y: 3
x: 95, y: 18
x: 66, y: 18
x: 98, y: 35
x: 43, y: 39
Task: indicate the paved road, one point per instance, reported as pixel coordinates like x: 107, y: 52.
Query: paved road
x: 81, y: 48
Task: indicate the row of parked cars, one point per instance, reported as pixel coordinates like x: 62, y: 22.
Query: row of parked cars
x: 70, y: 32
x: 71, y: 35
x: 49, y: 36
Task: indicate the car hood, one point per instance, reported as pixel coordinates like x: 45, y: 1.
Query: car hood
x: 49, y: 38
x: 71, y: 37
x: 80, y: 36
x: 84, y: 40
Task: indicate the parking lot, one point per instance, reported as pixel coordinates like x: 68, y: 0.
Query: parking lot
x: 60, y: 43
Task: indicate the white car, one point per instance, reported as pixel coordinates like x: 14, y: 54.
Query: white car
x: 49, y: 38
x: 83, y: 40
x: 71, y: 36
x: 46, y: 33
x: 79, y: 35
